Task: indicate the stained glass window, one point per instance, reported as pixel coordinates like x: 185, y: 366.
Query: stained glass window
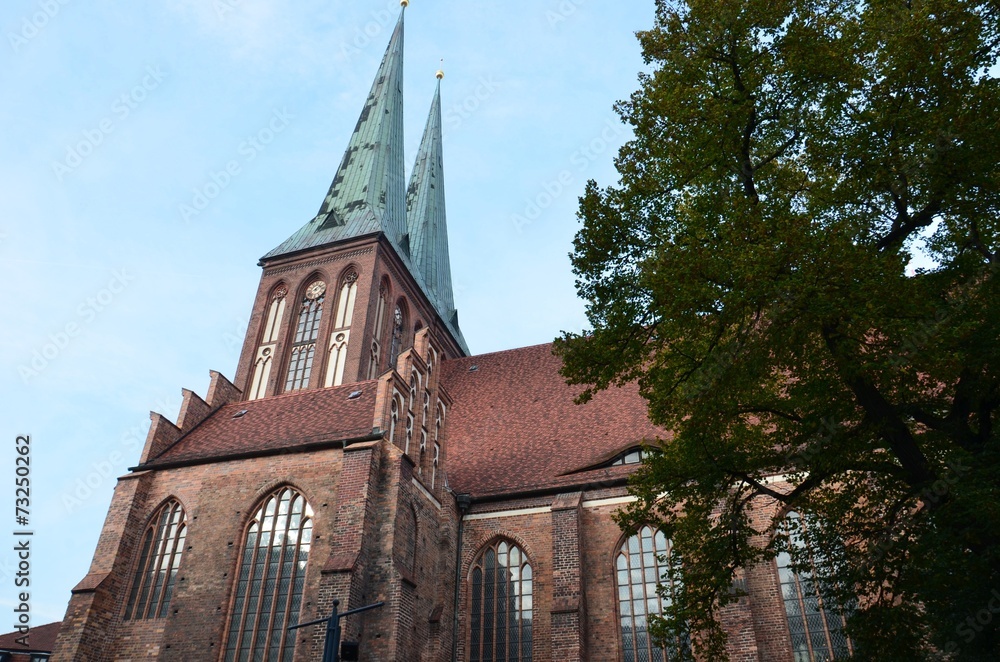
x: 641, y: 564
x: 500, y: 616
x: 817, y: 631
x: 159, y: 560
x: 271, y: 580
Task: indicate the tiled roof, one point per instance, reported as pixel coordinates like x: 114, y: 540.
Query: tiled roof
x: 41, y: 637
x: 514, y: 426
x: 283, y: 421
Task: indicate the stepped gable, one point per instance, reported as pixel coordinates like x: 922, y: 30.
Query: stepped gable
x: 514, y: 426
x: 283, y: 421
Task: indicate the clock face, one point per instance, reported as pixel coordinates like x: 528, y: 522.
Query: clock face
x: 316, y: 290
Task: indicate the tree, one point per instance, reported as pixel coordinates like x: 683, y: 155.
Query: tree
x: 754, y: 271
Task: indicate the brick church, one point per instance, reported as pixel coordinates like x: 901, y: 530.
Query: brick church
x: 361, y: 454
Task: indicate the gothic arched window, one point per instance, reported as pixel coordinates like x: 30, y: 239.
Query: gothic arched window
x: 817, y: 631
x: 304, y: 343
x: 641, y: 564
x: 268, y: 592
x: 500, y: 617
x: 156, y: 572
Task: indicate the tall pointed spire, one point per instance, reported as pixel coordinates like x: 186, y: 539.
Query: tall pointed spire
x: 368, y: 192
x: 425, y: 213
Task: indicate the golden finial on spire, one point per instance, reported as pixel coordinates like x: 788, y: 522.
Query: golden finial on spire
x: 440, y: 72
x: 404, y: 3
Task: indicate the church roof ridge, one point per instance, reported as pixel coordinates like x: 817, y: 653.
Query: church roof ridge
x: 487, y: 355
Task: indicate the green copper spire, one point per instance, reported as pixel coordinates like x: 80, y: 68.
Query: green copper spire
x: 368, y: 193
x: 425, y: 214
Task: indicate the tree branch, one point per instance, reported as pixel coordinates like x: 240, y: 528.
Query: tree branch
x: 888, y: 424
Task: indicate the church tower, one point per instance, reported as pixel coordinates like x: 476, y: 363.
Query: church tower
x: 343, y: 296
x: 318, y: 472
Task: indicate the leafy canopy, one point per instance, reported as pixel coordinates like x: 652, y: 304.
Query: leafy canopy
x: 753, y: 270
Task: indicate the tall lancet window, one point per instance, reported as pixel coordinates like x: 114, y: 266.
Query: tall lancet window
x: 156, y: 572
x: 641, y: 564
x: 816, y: 626
x: 341, y: 329
x: 398, y: 322
x: 268, y: 342
x: 375, y: 357
x: 271, y: 580
x: 304, y: 343
x: 500, y: 617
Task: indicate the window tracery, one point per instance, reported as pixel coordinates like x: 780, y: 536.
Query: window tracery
x: 159, y: 560
x: 641, y: 564
x: 816, y: 629
x: 303, y: 350
x: 500, y: 618
x: 269, y: 586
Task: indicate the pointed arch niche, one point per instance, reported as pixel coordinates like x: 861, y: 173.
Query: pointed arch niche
x: 269, y: 584
x: 375, y: 355
x: 341, y: 333
x: 268, y: 344
x: 397, y: 337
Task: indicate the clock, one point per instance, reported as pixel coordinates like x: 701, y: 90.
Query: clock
x: 316, y: 290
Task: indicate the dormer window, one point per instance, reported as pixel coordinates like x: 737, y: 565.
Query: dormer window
x: 631, y: 456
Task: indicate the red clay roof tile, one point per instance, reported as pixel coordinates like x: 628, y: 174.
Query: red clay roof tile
x: 278, y: 422
x: 514, y: 425
x: 41, y: 639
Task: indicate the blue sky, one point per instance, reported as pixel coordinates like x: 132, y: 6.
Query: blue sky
x: 116, y: 115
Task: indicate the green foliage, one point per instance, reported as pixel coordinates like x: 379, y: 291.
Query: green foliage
x: 750, y: 270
